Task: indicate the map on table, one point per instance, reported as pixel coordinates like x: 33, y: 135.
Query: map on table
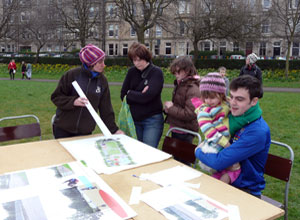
x: 114, y: 153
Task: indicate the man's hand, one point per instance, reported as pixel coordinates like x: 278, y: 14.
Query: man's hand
x: 80, y: 102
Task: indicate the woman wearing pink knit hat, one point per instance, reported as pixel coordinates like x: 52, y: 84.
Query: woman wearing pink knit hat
x: 72, y: 117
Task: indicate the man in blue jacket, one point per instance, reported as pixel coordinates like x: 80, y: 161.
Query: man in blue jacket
x: 250, y: 137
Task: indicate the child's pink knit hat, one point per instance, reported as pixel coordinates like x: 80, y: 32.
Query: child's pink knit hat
x: 213, y: 82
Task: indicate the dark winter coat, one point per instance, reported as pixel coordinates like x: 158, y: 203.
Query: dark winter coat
x: 76, y: 119
x: 143, y: 105
x: 252, y: 70
x: 182, y: 113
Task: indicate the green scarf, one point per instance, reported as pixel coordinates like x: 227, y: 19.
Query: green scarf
x: 238, y: 122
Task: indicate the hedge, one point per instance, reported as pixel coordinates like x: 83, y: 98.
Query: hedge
x: 201, y: 63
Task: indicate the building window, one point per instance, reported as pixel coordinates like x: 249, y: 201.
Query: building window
x: 265, y: 28
x: 92, y: 12
x: 276, y: 49
x: 116, y: 49
x: 168, y: 49
x: 147, y: 45
x: 116, y: 30
x: 125, y: 49
x: 295, y: 5
x: 111, y: 30
x: 262, y: 49
x: 181, y: 48
x: 157, y: 47
x: 25, y: 16
x: 266, y: 3
x: 158, y: 31
x: 183, y: 7
x: 222, y: 47
x: 110, y: 10
x: 181, y: 27
x: 206, y: 46
x: 295, y: 50
x: 132, y: 32
x: 147, y: 32
x: 111, y: 49
x: 236, y: 47
x: 187, y: 48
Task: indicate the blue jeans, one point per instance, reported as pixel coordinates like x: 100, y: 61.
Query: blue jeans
x: 149, y: 130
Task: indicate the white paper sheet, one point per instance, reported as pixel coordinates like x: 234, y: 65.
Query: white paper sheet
x: 65, y: 191
x: 179, y: 202
x: 174, y: 175
x: 234, y: 212
x: 137, y: 152
x: 94, y: 114
x: 135, y: 195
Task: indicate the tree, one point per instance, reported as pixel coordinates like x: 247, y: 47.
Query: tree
x: 82, y: 18
x: 214, y: 19
x: 6, y: 13
x: 142, y: 14
x: 38, y: 23
x: 286, y: 19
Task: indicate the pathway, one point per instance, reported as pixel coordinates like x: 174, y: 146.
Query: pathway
x: 266, y: 89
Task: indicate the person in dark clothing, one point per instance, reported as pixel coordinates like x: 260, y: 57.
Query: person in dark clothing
x: 23, y: 69
x: 251, y: 68
x: 143, y: 86
x: 72, y: 116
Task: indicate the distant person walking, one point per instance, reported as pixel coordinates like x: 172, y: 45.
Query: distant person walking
x: 12, y: 68
x: 29, y: 71
x: 23, y: 69
x: 251, y: 68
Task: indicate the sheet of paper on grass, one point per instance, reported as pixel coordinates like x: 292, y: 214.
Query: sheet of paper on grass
x: 64, y: 191
x: 179, y: 202
x: 174, y: 175
x: 113, y: 154
x: 94, y: 114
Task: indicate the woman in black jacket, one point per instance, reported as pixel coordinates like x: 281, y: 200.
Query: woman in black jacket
x: 143, y: 86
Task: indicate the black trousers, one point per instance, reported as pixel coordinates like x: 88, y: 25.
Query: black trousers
x: 60, y: 133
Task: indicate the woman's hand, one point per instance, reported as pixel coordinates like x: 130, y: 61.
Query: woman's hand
x: 80, y: 102
x: 145, y: 89
x: 167, y: 105
x: 119, y: 132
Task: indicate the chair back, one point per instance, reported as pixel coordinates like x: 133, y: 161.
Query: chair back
x: 280, y: 168
x: 179, y: 149
x: 22, y: 131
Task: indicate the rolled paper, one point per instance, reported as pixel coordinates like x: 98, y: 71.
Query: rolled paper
x: 94, y: 114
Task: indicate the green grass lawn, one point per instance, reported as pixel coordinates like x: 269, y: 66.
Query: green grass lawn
x: 280, y: 110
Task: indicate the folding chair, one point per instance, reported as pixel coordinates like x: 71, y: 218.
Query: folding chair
x: 181, y: 150
x: 280, y: 168
x: 22, y: 131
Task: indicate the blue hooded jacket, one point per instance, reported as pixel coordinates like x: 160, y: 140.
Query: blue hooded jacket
x: 250, y: 147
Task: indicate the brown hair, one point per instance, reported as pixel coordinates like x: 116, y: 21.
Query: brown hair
x: 183, y: 63
x: 139, y: 50
x: 211, y: 94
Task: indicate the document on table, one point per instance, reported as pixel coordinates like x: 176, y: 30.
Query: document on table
x: 113, y: 154
x: 174, y: 175
x: 179, y: 202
